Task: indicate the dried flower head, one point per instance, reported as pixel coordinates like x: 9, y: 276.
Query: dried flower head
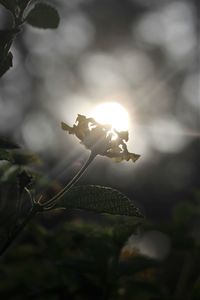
x: 101, y: 139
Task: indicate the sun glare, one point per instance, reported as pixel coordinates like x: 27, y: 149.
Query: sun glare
x: 112, y: 113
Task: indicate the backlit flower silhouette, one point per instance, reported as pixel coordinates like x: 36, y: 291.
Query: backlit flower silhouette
x: 101, y: 139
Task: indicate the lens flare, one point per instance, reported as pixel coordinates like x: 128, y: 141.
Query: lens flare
x: 112, y: 113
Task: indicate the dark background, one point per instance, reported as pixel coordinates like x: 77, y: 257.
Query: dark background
x: 142, y: 54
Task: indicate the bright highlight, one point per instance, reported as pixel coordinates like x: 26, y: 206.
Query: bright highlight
x: 112, y: 113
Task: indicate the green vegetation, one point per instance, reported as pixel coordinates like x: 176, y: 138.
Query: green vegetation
x: 41, y: 15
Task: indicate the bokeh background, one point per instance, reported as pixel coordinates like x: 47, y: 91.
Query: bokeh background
x: 142, y: 54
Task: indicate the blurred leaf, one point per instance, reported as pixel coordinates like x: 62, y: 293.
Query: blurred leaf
x: 43, y: 16
x: 78, y: 264
x: 100, y: 199
x: 9, y: 177
x: 6, y: 38
x: 6, y: 64
x: 143, y: 290
x: 5, y: 155
x: 9, y: 4
x: 185, y: 212
x: 25, y: 179
x: 10, y: 174
x: 25, y: 158
x: 8, y: 198
x: 135, y: 265
x: 124, y: 229
x: 196, y: 290
x: 16, y: 7
x: 6, y: 144
x: 23, y: 3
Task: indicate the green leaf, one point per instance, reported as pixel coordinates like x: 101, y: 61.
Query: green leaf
x: 43, y: 16
x: 5, y: 155
x: 100, y: 199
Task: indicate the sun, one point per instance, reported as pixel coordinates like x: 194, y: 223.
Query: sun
x: 112, y: 113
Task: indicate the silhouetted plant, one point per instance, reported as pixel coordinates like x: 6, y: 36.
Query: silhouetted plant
x: 41, y: 15
x: 101, y: 140
x: 83, y: 260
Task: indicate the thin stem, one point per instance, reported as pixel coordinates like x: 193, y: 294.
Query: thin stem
x: 41, y: 206
x: 52, y: 201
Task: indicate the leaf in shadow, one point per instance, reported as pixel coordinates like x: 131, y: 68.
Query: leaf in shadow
x: 135, y: 265
x: 43, y: 16
x: 5, y: 155
x: 25, y: 157
x: 9, y: 4
x: 7, y: 144
x: 80, y: 265
x: 100, y: 199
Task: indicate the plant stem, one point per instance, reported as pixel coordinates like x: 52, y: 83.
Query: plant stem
x: 40, y: 206
x: 52, y: 201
